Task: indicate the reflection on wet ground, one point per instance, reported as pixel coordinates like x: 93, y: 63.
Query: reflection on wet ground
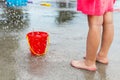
x: 65, y: 16
x: 67, y: 29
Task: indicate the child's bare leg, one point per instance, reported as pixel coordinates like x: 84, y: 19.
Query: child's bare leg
x: 93, y: 40
x: 107, y: 37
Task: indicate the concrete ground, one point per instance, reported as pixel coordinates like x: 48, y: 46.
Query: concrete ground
x: 67, y: 29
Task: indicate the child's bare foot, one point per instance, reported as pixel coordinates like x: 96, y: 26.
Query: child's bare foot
x: 102, y: 60
x: 82, y: 65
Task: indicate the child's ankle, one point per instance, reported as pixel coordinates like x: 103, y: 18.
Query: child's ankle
x: 90, y: 63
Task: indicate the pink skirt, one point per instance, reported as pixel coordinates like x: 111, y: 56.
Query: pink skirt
x: 95, y: 7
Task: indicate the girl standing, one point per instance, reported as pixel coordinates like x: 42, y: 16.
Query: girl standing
x: 100, y: 18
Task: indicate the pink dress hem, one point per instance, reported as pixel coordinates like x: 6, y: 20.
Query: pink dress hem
x: 95, y: 7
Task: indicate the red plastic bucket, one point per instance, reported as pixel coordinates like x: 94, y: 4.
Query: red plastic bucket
x: 38, y: 42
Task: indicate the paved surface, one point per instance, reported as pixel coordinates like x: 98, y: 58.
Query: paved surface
x: 67, y: 29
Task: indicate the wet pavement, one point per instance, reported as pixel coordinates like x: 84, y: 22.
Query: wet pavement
x: 67, y: 29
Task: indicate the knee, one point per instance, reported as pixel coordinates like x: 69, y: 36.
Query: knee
x: 95, y: 21
x: 95, y: 25
x: 108, y: 18
x: 110, y: 22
